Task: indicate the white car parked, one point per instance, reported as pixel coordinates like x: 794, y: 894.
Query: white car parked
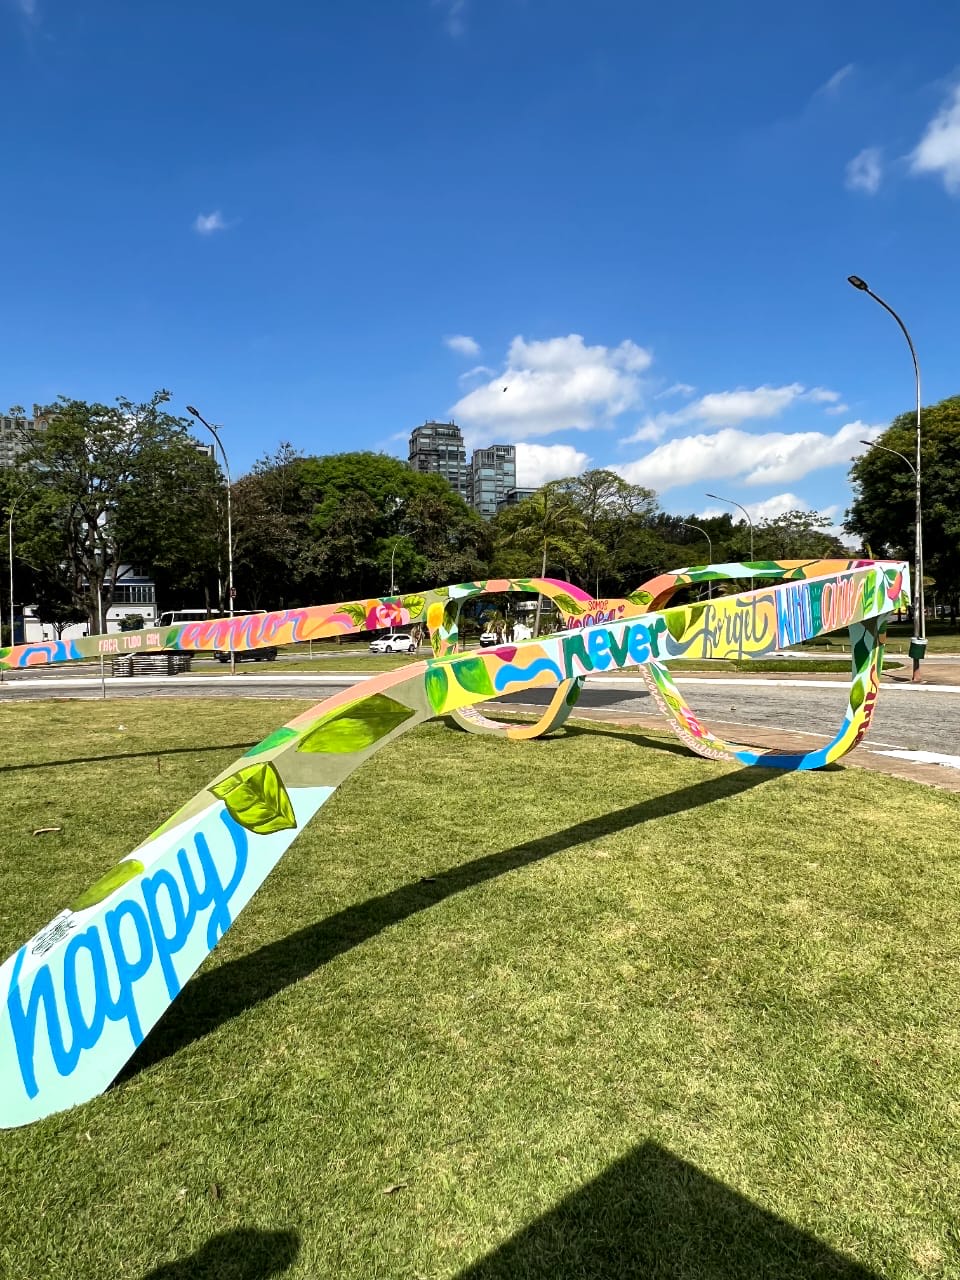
x: 396, y: 642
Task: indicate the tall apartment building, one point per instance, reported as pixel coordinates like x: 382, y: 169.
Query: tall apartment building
x: 437, y: 448
x: 493, y: 474
x: 12, y: 442
x: 513, y: 496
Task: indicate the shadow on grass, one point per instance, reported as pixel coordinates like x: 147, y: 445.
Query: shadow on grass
x: 667, y: 743
x: 127, y: 755
x: 245, y: 1253
x: 218, y: 995
x: 653, y: 1215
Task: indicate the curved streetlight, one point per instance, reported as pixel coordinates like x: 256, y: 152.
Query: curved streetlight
x: 226, y: 466
x: 730, y: 502
x: 918, y: 645
x: 872, y: 444
x: 709, y: 551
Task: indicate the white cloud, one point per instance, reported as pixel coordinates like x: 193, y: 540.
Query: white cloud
x: 720, y: 408
x: 773, y: 457
x: 678, y: 389
x: 766, y: 509
x: 837, y: 79
x: 837, y: 408
x: 538, y: 463
x: 865, y: 171
x: 478, y: 371
x: 823, y: 395
x: 206, y: 224
x: 728, y: 408
x: 778, y: 505
x: 938, y: 151
x: 554, y: 385
x: 647, y: 434
x: 463, y: 345
x: 454, y: 20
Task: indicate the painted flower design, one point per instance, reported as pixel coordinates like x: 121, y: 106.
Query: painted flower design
x: 387, y: 614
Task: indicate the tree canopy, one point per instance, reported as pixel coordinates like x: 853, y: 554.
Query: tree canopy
x: 884, y: 505
x: 327, y: 528
x: 106, y: 486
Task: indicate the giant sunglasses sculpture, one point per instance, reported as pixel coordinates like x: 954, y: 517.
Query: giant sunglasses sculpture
x: 80, y: 995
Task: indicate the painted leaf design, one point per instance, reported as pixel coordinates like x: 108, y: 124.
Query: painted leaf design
x: 441, y: 593
x: 676, y: 621
x: 356, y: 613
x: 257, y: 799
x: 116, y: 877
x: 414, y: 605
x: 573, y: 693
x: 694, y: 614
x: 642, y: 598
x: 275, y: 739
x: 451, y: 616
x: 356, y: 727
x: 473, y: 676
x: 566, y: 604
x: 856, y: 697
x: 435, y: 682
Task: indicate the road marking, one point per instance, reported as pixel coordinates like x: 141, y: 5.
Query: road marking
x: 924, y: 757
x: 118, y: 682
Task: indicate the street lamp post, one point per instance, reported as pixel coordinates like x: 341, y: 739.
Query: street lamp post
x: 709, y: 551
x: 918, y: 644
x: 226, y: 466
x: 392, y: 557
x: 10, y: 549
x: 730, y: 502
x: 872, y: 444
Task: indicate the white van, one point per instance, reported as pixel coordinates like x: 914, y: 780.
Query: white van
x: 173, y: 616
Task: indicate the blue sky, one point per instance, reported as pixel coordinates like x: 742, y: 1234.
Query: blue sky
x: 325, y: 223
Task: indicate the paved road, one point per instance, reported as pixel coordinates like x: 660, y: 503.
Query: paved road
x: 908, y: 717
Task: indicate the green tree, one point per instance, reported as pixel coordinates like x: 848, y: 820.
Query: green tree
x: 796, y: 535
x: 614, y: 514
x: 884, y: 505
x: 115, y: 485
x: 365, y: 501
x: 546, y: 528
x: 273, y: 507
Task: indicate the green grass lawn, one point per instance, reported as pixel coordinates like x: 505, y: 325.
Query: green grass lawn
x: 582, y: 1007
